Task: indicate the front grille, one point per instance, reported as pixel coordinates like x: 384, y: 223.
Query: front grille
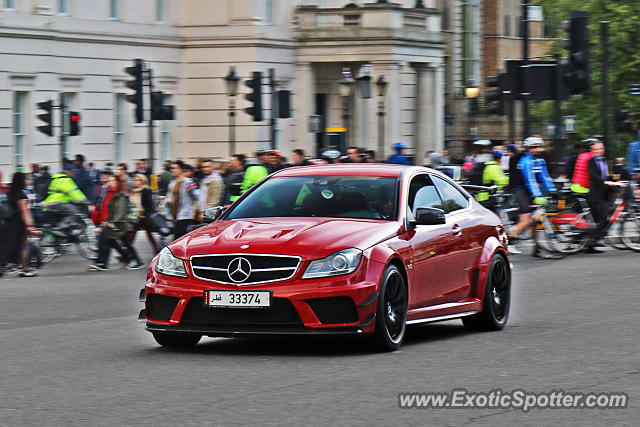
x: 258, y: 268
x: 281, y: 313
x: 334, y: 309
x: 160, y: 307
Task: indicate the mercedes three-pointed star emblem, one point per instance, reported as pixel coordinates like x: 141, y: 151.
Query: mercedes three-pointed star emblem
x: 239, y: 270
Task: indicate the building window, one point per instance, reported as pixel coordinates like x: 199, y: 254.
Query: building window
x: 118, y: 129
x: 268, y: 15
x: 159, y: 11
x: 19, y: 103
x: 10, y: 4
x: 507, y: 26
x: 470, y: 41
x: 113, y: 9
x: 165, y: 141
x: 63, y: 7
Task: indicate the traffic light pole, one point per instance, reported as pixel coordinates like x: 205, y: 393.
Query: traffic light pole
x: 525, y: 69
x: 151, y: 136
x: 63, y: 134
x: 604, y: 94
x: 274, y: 108
x: 558, y: 145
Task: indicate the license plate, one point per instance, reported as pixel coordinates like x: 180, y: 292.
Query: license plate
x: 237, y: 299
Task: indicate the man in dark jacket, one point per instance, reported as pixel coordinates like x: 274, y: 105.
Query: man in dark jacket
x: 599, y: 191
x: 82, y: 177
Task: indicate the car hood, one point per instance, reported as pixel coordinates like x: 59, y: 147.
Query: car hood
x: 310, y: 238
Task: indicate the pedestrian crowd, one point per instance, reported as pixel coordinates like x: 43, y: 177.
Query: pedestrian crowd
x: 122, y: 201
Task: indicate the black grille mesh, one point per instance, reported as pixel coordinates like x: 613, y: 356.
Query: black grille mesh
x: 334, y: 309
x: 160, y: 307
x: 257, y: 262
x: 281, y: 313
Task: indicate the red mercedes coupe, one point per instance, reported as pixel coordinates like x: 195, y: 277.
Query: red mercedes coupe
x: 362, y: 249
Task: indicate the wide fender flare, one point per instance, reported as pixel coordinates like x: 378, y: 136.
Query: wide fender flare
x: 382, y: 255
x: 491, y: 248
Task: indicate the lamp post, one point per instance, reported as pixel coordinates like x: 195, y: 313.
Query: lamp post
x: 471, y: 92
x: 381, y: 85
x: 345, y: 87
x: 231, y: 81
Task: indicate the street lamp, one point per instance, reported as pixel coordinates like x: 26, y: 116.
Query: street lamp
x: 471, y: 92
x: 231, y: 81
x: 345, y: 88
x: 381, y: 85
x: 363, y: 82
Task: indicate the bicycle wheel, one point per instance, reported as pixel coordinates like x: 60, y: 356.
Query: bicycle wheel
x: 86, y: 244
x: 630, y: 229
x: 548, y: 238
x: 46, y: 247
x: 614, y: 236
x: 571, y: 232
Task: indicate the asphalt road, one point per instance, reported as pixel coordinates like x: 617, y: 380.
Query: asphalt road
x: 73, y: 353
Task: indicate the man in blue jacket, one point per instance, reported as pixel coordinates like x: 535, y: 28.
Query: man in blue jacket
x: 633, y: 157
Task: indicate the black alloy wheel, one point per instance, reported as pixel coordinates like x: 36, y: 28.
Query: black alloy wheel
x: 497, y: 298
x: 391, y: 315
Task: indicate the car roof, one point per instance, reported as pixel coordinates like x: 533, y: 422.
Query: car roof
x: 346, y: 169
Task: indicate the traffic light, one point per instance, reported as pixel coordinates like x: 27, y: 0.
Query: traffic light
x: 494, y: 98
x: 137, y: 85
x: 621, y: 121
x: 284, y: 104
x: 73, y: 123
x: 46, y: 117
x: 255, y: 96
x: 576, y: 72
x: 159, y: 111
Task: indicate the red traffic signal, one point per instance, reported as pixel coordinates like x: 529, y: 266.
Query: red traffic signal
x: 73, y: 123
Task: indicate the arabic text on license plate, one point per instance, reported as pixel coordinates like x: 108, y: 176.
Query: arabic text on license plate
x: 226, y: 298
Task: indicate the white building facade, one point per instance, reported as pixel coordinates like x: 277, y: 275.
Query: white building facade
x: 76, y: 51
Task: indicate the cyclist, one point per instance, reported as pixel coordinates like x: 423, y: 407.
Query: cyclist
x: 63, y: 191
x: 492, y: 174
x: 633, y: 158
x: 529, y: 182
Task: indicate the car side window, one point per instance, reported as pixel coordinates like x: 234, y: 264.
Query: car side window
x: 453, y: 199
x: 423, y: 194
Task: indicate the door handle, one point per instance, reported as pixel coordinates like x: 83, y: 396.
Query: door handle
x: 456, y: 230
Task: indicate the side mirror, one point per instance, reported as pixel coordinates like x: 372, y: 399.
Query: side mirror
x: 430, y: 216
x: 211, y: 214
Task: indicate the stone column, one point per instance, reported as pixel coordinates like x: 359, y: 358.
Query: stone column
x: 438, y: 106
x: 304, y: 100
x: 392, y: 73
x: 424, y: 113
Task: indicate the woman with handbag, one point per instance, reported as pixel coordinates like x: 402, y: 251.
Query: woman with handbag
x: 142, y: 199
x: 115, y: 229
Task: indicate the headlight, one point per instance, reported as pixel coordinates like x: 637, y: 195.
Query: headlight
x: 170, y: 265
x: 343, y: 262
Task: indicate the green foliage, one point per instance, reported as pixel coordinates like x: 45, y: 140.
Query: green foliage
x: 624, y: 60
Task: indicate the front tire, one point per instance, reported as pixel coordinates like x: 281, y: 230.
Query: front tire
x: 177, y: 339
x: 497, y: 299
x: 391, y: 314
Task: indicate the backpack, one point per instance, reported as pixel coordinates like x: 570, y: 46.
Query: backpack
x: 475, y: 174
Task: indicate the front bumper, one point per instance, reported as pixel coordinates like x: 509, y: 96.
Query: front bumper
x: 336, y: 306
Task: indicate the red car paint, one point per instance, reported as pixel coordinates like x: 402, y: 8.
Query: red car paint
x: 445, y: 266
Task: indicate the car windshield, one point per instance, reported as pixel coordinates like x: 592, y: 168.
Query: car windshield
x: 367, y: 197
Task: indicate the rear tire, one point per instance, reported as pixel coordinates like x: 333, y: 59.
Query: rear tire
x: 391, y: 314
x: 177, y: 339
x: 630, y: 229
x: 497, y: 299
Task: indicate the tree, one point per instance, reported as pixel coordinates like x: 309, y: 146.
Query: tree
x: 624, y: 60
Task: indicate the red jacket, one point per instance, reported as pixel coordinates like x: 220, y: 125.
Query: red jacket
x: 580, y: 172
x: 98, y: 216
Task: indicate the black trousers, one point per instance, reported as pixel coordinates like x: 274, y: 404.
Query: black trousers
x: 600, y: 209
x: 180, y: 227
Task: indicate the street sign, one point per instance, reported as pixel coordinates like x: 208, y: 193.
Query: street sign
x: 535, y: 14
x: 634, y: 89
x: 569, y: 124
x: 550, y: 129
x: 314, y: 123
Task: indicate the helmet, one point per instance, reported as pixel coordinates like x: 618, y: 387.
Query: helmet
x: 497, y: 154
x: 534, y: 141
x: 483, y: 142
x: 399, y: 145
x: 331, y: 154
